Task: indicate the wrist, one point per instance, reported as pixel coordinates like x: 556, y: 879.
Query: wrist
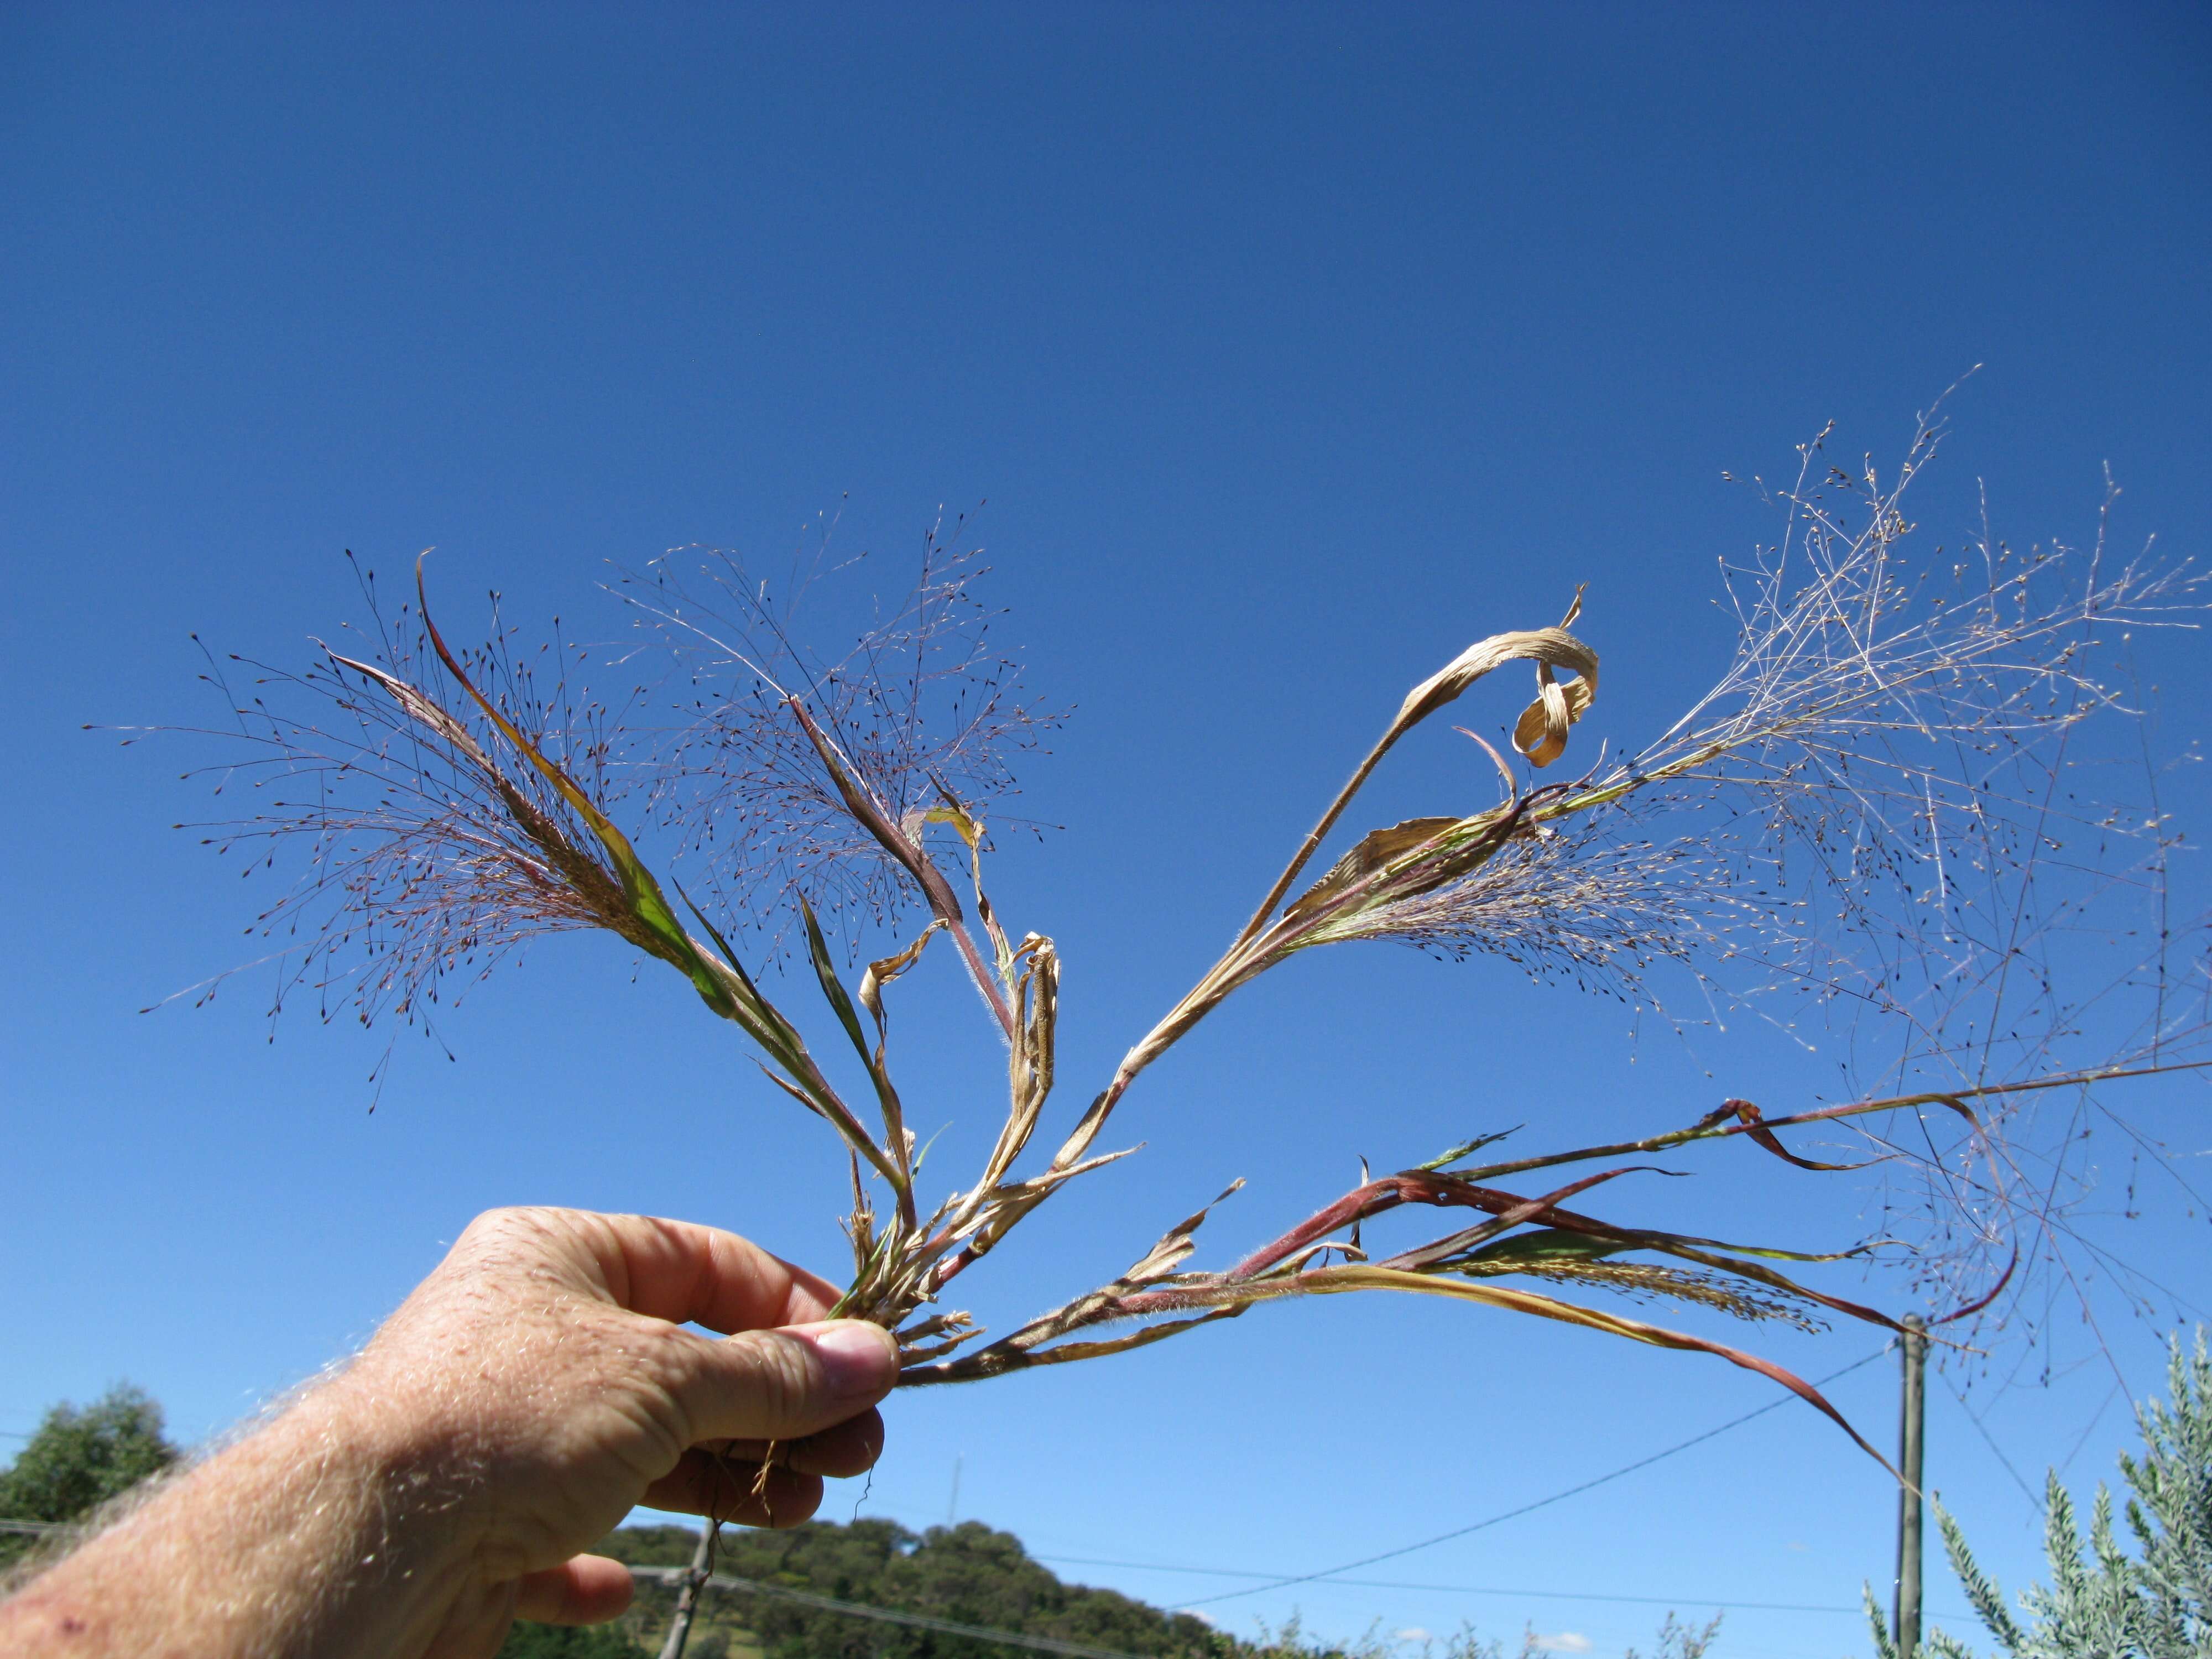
x: 419, y: 1478
x: 416, y: 1443
x: 335, y: 1529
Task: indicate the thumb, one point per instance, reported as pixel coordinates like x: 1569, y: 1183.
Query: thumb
x: 781, y: 1385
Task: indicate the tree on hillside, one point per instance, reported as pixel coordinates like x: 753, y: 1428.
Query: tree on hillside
x: 529, y: 1641
x: 80, y: 1458
x: 969, y: 1573
x: 2155, y: 1604
x: 975, y: 1575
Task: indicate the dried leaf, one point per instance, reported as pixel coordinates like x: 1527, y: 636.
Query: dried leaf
x: 1553, y: 646
x: 1003, y: 1357
x: 1540, y: 733
x: 1505, y: 772
x: 1376, y: 849
x: 1355, y: 1276
x: 1755, y: 1127
x: 882, y: 973
x: 1175, y: 1246
x: 420, y: 708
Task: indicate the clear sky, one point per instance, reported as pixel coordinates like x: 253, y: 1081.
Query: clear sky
x: 1291, y: 347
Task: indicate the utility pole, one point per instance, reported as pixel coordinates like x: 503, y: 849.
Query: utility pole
x: 687, y: 1599
x: 1912, y: 1428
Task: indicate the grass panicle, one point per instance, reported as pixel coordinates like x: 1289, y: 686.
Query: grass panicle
x: 1874, y: 819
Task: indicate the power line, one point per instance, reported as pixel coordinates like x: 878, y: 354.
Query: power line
x: 675, y: 1575
x: 726, y: 1581
x: 1678, y: 1600
x: 1479, y: 1589
x: 1989, y: 1440
x: 1013, y: 1638
x: 1498, y: 1589
x: 1525, y: 1508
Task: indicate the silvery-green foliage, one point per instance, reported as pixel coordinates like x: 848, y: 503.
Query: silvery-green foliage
x: 1680, y: 1641
x: 2101, y: 1601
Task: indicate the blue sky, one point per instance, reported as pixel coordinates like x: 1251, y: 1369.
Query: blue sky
x: 1291, y: 348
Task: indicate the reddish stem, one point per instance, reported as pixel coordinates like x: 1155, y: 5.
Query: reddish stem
x: 1422, y: 1187
x: 1355, y: 1205
x: 944, y: 903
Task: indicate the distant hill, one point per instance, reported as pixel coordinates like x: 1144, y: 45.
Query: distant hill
x: 969, y: 1573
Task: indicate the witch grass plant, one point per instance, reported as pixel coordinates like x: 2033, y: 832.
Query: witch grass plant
x: 1875, y: 814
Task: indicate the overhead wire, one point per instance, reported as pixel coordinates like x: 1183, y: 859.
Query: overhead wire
x: 1989, y: 1440
x: 1487, y: 1589
x: 1013, y: 1638
x: 728, y: 1582
x: 1527, y: 1509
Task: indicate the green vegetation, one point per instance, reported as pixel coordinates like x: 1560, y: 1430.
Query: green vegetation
x: 1680, y: 1641
x: 529, y: 1641
x: 79, y: 1459
x: 968, y: 1573
x: 2154, y: 1604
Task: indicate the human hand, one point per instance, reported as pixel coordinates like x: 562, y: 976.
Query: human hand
x: 542, y: 1382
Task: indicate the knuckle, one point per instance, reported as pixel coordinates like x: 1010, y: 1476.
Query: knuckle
x: 502, y: 1230
x: 666, y: 1360
x: 668, y: 1353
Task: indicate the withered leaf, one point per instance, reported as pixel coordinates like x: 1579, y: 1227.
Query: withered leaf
x: 1540, y: 733
x: 1552, y: 646
x: 1377, y: 848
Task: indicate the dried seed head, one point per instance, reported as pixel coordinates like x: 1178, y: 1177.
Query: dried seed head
x: 431, y: 852
x: 924, y: 705
x: 1649, y: 1281
x: 1582, y: 905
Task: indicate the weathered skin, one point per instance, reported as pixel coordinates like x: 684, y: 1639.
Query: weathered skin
x: 540, y: 1382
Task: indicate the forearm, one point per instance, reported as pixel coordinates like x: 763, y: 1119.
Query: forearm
x: 539, y: 1385
x: 327, y: 1532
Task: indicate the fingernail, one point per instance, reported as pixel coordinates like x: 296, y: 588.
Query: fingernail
x: 858, y: 1358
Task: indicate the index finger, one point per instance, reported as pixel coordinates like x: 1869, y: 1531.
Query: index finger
x: 688, y: 1274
